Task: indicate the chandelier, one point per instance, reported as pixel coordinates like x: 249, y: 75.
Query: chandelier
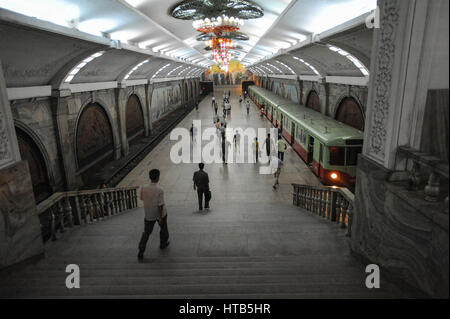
x: 218, y: 22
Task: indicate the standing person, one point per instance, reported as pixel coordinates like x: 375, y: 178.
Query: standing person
x: 228, y: 105
x: 240, y: 100
x: 213, y: 100
x: 247, y: 105
x: 196, y: 106
x: 201, y: 184
x: 279, y: 130
x: 281, y: 148
x: 256, y: 145
x: 155, y: 211
x: 193, y: 131
x: 267, y: 143
x: 236, y: 139
x: 224, y: 159
x: 262, y: 110
x: 215, y: 107
x: 276, y: 165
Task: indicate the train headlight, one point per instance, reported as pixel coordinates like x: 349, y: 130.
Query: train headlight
x: 334, y: 176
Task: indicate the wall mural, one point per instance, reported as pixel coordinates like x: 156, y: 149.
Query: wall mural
x: 165, y: 100
x: 235, y: 75
x: 94, y: 134
x: 350, y: 113
x: 288, y: 91
x: 134, y: 116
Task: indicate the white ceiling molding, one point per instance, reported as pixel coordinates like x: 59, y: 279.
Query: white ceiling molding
x: 87, y: 87
x: 283, y: 76
x: 29, y: 92
x: 349, y: 80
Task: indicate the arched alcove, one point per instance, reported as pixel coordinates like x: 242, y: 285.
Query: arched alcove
x: 94, y: 137
x: 349, y: 112
x: 313, y: 101
x: 134, y: 119
x: 30, y: 152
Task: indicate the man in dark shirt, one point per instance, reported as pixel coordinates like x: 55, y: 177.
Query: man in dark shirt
x: 201, y: 184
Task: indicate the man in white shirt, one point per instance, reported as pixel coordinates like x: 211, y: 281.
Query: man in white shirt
x: 155, y: 211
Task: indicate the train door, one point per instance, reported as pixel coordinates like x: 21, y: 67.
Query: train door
x: 310, y: 150
x: 320, y: 159
x: 292, y: 132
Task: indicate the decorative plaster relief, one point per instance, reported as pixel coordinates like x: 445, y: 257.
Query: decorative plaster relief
x: 383, y: 77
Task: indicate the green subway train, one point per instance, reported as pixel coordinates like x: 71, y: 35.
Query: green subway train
x: 329, y: 147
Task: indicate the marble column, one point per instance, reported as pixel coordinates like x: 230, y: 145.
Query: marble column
x: 392, y: 227
x: 20, y: 233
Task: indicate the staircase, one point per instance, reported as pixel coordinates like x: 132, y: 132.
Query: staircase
x: 318, y: 265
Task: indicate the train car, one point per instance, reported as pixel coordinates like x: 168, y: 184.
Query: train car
x: 329, y: 147
x: 270, y: 100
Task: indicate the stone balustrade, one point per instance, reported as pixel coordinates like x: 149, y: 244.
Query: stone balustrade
x: 67, y: 209
x: 332, y: 203
x: 437, y: 171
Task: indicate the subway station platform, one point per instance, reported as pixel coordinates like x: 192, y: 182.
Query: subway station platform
x: 252, y: 243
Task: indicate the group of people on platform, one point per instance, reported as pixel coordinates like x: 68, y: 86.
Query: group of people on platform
x: 153, y: 195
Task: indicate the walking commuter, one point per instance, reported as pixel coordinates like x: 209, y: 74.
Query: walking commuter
x: 247, y: 105
x: 256, y: 146
x: 236, y: 139
x: 155, y: 211
x: 282, y: 146
x: 267, y: 143
x: 215, y: 107
x: 276, y: 165
x: 201, y: 185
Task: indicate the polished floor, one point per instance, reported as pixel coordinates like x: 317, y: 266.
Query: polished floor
x: 253, y: 243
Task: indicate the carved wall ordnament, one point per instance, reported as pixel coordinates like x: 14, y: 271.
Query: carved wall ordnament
x: 5, y: 151
x: 385, y: 57
x: 350, y: 113
x: 134, y: 116
x: 313, y: 101
x: 94, y: 134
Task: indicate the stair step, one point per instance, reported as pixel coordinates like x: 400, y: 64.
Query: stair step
x: 198, y: 289
x: 187, y: 280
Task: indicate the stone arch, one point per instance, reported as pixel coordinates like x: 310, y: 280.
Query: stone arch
x: 313, y: 101
x: 134, y: 118
x: 38, y: 162
x: 94, y: 136
x: 349, y: 111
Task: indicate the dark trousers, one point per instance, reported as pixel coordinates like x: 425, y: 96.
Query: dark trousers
x: 281, y: 155
x: 200, y: 193
x: 268, y: 151
x: 163, y: 233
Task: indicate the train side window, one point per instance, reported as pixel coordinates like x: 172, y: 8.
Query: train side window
x: 337, y: 156
x: 352, y: 155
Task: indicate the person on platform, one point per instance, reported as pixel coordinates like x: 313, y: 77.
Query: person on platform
x: 247, y: 105
x: 256, y: 147
x: 155, y: 211
x: 267, y: 144
x: 201, y: 185
x: 276, y: 165
x: 236, y: 140
x: 282, y: 147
